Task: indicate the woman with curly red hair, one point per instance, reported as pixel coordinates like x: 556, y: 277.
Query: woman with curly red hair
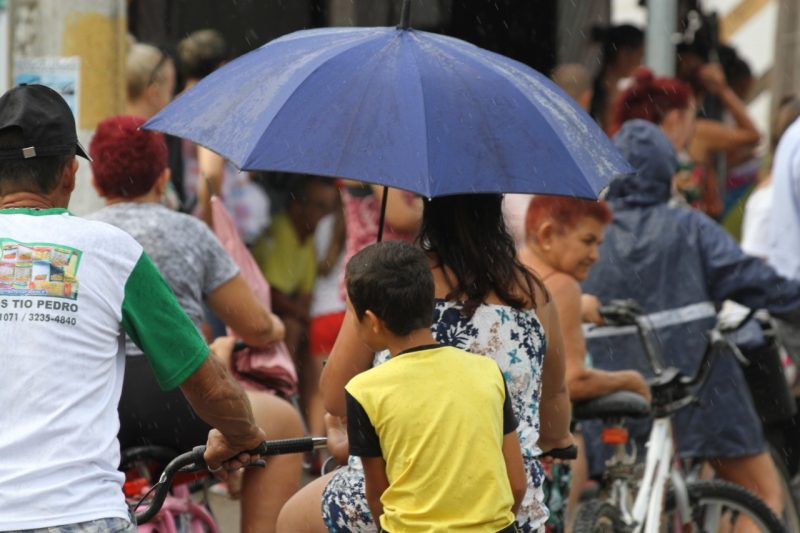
x: 670, y: 103
x: 667, y: 102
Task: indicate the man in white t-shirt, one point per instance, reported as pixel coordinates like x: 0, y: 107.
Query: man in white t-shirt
x: 69, y: 290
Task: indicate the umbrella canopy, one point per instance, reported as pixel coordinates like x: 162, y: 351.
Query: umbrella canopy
x: 398, y: 107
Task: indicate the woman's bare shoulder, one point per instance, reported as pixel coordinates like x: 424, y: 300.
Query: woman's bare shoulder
x: 531, y: 289
x: 561, y: 285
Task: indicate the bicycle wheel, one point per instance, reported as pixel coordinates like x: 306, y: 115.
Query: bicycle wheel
x: 717, y: 506
x: 597, y: 516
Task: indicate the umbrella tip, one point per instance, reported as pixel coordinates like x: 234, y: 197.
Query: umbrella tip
x: 405, y: 15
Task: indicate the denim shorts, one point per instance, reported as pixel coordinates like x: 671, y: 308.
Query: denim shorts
x: 102, y: 525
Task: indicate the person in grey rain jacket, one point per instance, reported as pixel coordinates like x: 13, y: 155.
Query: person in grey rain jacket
x: 679, y: 265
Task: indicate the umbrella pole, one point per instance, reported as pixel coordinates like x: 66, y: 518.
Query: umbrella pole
x: 405, y: 15
x: 384, y: 198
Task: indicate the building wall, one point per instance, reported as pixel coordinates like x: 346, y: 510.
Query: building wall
x: 94, y: 32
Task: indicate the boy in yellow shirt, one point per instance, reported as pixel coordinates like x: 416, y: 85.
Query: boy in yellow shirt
x: 433, y: 426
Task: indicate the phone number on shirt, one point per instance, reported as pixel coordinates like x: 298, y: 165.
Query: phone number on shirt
x: 38, y: 317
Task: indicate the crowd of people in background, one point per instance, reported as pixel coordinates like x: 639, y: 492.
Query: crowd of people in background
x: 514, y: 278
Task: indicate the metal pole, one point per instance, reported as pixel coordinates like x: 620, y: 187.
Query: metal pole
x: 405, y: 15
x: 382, y: 220
x: 659, y: 48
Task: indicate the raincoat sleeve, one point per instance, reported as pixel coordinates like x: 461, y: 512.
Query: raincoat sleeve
x: 733, y: 275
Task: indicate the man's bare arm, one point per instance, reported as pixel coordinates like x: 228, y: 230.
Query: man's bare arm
x: 220, y: 401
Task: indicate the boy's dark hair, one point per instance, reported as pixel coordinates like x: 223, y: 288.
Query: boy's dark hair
x: 37, y: 174
x: 393, y: 280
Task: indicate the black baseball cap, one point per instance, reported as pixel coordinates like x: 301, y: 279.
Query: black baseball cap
x: 45, y: 120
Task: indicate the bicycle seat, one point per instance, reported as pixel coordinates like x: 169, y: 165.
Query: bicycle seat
x: 622, y: 404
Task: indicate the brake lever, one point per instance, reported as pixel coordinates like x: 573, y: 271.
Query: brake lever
x: 722, y: 342
x: 620, y: 312
x: 737, y: 353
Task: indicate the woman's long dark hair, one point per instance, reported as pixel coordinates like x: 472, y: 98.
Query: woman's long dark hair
x: 467, y: 234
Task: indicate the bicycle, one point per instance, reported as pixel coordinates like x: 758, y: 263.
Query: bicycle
x: 658, y: 496
x: 177, y: 512
x: 772, y: 399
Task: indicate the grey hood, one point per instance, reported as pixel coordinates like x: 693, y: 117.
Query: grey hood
x: 653, y: 159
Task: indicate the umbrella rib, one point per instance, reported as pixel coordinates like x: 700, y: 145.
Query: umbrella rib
x: 426, y: 145
x: 558, y: 132
x: 355, y: 115
x: 442, y: 59
x: 509, y: 78
x: 249, y: 161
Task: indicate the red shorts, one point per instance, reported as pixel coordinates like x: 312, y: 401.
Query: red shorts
x: 322, y: 333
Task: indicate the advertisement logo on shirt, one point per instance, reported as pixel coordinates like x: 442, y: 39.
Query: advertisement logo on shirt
x: 38, y: 269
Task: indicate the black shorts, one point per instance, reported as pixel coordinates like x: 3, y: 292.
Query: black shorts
x: 150, y: 416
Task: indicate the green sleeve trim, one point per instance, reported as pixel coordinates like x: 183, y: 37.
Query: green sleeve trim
x: 156, y: 323
x: 33, y: 211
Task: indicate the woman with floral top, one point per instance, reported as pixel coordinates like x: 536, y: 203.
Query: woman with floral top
x: 487, y: 303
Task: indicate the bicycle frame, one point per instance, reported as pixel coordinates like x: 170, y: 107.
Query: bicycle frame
x: 650, y: 498
x: 645, y: 513
x: 661, y: 466
x: 180, y: 504
x: 193, y: 462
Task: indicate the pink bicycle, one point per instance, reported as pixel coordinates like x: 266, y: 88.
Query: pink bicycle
x: 170, y: 507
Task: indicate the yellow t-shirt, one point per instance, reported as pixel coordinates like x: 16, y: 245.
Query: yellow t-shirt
x: 437, y: 415
x: 289, y: 265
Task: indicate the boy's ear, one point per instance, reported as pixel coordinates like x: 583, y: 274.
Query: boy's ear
x: 375, y: 324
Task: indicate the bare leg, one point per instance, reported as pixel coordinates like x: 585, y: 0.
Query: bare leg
x: 265, y: 491
x: 303, y: 512
x: 756, y: 473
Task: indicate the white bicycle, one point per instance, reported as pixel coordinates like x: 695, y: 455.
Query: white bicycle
x: 657, y: 496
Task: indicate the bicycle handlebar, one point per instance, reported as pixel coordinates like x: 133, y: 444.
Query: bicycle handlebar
x: 628, y: 313
x: 193, y: 462
x: 568, y: 453
x: 675, y: 385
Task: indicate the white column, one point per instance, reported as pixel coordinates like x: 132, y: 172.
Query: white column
x: 786, y: 68
x: 659, y: 49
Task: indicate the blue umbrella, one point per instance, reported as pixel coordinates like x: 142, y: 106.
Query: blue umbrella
x: 398, y: 107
